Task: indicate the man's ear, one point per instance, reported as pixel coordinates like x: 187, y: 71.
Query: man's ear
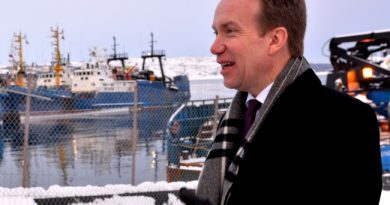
x: 278, y: 40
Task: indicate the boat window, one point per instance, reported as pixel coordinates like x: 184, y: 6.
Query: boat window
x: 75, y: 85
x: 82, y: 78
x: 98, y: 73
x: 93, y: 84
x: 86, y: 78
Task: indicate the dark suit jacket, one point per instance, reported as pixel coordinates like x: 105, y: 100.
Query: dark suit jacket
x: 316, y: 146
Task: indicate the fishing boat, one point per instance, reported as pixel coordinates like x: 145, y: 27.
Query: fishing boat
x: 99, y: 86
x: 94, y: 87
x: 19, y: 94
x: 190, y: 135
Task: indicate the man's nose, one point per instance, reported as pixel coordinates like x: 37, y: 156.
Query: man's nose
x: 218, y: 47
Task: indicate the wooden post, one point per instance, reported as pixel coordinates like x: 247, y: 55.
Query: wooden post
x: 134, y: 133
x: 26, y: 171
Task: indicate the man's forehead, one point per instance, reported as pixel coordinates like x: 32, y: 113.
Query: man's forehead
x: 232, y: 11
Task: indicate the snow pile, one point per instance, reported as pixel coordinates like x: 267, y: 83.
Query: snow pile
x: 17, y: 200
x: 117, y: 200
x: 58, y: 191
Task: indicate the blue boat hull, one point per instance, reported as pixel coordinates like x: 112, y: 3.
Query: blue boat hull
x: 385, y: 154
x: 150, y: 93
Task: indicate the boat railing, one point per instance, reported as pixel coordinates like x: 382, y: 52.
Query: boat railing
x: 197, y: 103
x: 208, y: 101
x: 190, y: 129
x: 154, y: 53
x: 118, y: 55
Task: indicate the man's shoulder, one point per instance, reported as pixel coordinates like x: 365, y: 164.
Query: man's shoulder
x: 308, y: 90
x: 340, y: 98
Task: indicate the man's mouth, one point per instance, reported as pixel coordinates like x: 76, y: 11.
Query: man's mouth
x: 227, y: 64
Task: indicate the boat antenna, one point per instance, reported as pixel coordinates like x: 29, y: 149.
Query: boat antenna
x: 56, y: 36
x: 114, y: 46
x: 152, y: 44
x: 154, y: 54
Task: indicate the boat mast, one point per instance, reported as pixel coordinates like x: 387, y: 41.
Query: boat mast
x: 154, y: 54
x: 117, y: 56
x: 56, y: 35
x: 19, y: 81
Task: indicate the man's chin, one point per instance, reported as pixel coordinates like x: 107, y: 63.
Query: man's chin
x: 229, y: 85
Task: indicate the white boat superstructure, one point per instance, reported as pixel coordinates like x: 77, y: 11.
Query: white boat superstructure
x: 91, y: 77
x: 48, y: 79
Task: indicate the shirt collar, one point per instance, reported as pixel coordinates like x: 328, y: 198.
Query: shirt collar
x: 261, y: 96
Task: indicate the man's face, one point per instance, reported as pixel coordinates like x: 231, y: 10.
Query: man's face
x: 240, y: 47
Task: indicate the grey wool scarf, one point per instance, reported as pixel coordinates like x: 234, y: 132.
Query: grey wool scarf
x: 224, y: 157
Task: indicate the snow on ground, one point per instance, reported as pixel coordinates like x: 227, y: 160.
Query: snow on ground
x: 58, y: 191
x: 26, y: 196
x: 20, y: 200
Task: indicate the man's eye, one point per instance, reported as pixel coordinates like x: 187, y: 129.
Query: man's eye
x: 229, y: 30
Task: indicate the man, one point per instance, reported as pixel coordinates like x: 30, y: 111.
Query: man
x: 308, y: 144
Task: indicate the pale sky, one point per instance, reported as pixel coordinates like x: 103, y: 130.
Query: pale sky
x: 181, y: 27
